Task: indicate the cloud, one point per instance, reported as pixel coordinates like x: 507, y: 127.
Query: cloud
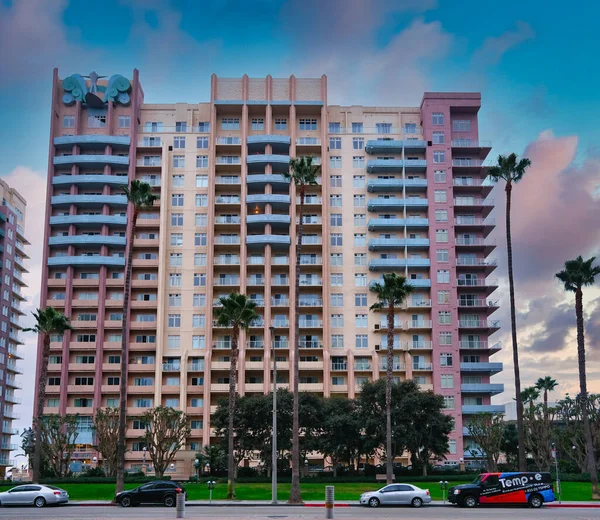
x: 493, y: 48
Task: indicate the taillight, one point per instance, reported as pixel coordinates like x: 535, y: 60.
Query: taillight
x: 179, y: 490
x: 57, y: 493
x: 427, y: 492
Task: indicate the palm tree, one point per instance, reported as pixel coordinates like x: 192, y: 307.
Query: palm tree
x: 48, y: 321
x: 546, y: 384
x: 303, y: 173
x: 577, y: 274
x: 512, y: 172
x: 237, y: 312
x: 140, y: 196
x: 529, y: 396
x: 390, y: 294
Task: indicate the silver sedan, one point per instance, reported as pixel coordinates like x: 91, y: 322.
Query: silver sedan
x: 396, y: 494
x: 34, y: 495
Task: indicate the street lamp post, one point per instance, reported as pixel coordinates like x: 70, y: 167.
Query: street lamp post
x: 197, y: 464
x: 274, y: 442
x: 557, y: 477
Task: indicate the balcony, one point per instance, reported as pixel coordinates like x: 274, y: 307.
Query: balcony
x: 273, y: 219
x: 418, y: 324
x: 255, y: 281
x: 467, y: 163
x: 280, y: 323
x: 475, y: 262
x: 396, y: 165
x: 260, y: 180
x: 280, y: 302
x: 391, y: 146
x: 234, y: 220
x: 226, y: 282
x: 471, y: 145
x: 227, y: 240
x: 112, y: 261
x: 311, y: 260
x: 228, y: 199
x: 395, y: 366
x: 280, y: 282
x: 314, y: 302
x: 476, y: 243
x: 488, y: 325
x: 362, y: 367
x: 88, y: 220
x: 258, y: 162
x: 414, y: 144
x: 396, y: 203
x: 171, y: 367
x: 418, y: 303
x: 391, y: 244
x: 482, y: 388
x: 277, y: 201
x: 221, y: 345
x: 255, y: 344
x: 310, y: 344
x: 226, y: 260
x: 91, y: 160
x: 483, y: 225
x: 479, y: 345
x: 116, y: 141
x: 309, y: 240
x: 310, y: 324
x: 149, y: 142
x: 478, y: 303
x: 280, y: 241
x: 389, y: 264
x: 308, y: 144
x: 228, y: 160
x: 419, y: 345
x: 422, y: 367
x: 311, y: 282
x: 88, y: 240
x: 474, y: 204
x: 310, y: 365
x: 90, y: 181
x: 492, y: 368
x: 261, y: 140
x: 387, y: 185
x: 339, y: 366
x: 229, y: 141
x: 310, y: 387
x: 477, y: 284
x: 385, y: 224
x: 469, y: 409
x: 310, y: 200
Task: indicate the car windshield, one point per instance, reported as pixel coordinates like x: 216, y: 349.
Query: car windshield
x: 478, y: 480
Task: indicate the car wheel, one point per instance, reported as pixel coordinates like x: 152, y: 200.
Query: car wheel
x: 535, y: 501
x: 39, y: 502
x: 169, y: 501
x: 470, y: 501
x: 373, y: 502
x: 126, y: 502
x: 416, y: 502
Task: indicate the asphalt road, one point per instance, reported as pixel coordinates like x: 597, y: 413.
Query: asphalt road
x: 296, y: 513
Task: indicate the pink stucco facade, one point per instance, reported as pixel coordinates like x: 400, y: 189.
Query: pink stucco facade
x: 401, y: 189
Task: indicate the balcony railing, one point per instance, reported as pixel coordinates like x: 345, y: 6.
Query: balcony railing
x: 311, y: 260
x: 475, y: 262
x: 474, y: 221
x: 478, y: 302
x: 419, y: 303
x: 229, y: 160
x: 310, y: 282
x: 310, y: 323
x: 196, y: 367
x: 395, y: 366
x: 259, y: 343
x: 220, y: 179
x: 281, y: 282
x: 254, y: 280
x: 419, y: 324
x: 223, y: 199
x: 227, y: 260
x: 422, y: 366
x: 228, y: 220
x: 468, y: 162
x: 171, y: 367
x: 473, y: 201
x: 470, y: 143
x: 462, y: 182
x: 339, y: 366
x: 362, y: 366
x: 309, y: 220
x: 316, y: 302
x: 474, y: 241
x: 311, y: 240
x: 280, y: 302
x: 315, y: 141
x: 476, y: 282
x: 229, y: 140
x: 280, y: 323
x: 222, y: 345
x: 280, y: 344
x: 309, y: 344
x: 150, y: 142
x: 226, y: 281
x: 227, y: 240
x: 310, y: 200
x: 280, y: 260
x: 149, y: 161
x: 475, y: 324
x: 419, y: 345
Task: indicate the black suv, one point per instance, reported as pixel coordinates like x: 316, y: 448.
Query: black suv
x: 156, y: 492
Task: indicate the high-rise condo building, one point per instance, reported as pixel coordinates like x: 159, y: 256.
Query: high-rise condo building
x: 401, y: 190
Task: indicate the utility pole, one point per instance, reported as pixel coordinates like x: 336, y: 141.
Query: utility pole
x: 274, y: 443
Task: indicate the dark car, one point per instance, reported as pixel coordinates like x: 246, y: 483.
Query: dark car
x: 157, y: 492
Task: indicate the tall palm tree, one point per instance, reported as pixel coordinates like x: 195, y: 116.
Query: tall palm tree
x: 237, y: 312
x: 576, y: 275
x: 139, y: 195
x: 546, y: 384
x: 390, y: 294
x: 529, y: 396
x: 48, y: 321
x: 512, y: 172
x: 303, y: 173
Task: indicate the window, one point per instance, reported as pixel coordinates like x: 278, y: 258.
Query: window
x: 443, y: 276
x: 198, y: 321
x: 451, y: 446
x: 196, y: 424
x: 337, y: 279
x: 336, y: 239
x: 357, y: 128
x: 201, y: 142
x: 177, y: 200
x: 335, y: 181
x: 335, y: 219
x: 199, y: 300
x: 307, y: 124
x: 335, y: 143
x: 442, y: 255
x: 176, y: 239
x: 383, y: 128
x: 441, y: 235
x: 53, y: 403
x: 449, y: 402
x: 439, y: 157
x: 178, y: 142
x: 439, y: 176
x: 361, y: 341
x: 179, y: 161
x: 198, y: 342
x: 337, y: 300
x: 440, y: 196
x: 360, y: 259
x: 177, y: 181
x: 200, y: 219
x: 360, y: 300
x: 443, y: 297
x: 437, y: 118
x: 174, y: 300
x: 358, y: 181
x: 337, y: 341
x: 202, y: 161
x: 199, y: 259
x: 199, y: 279
x: 175, y: 280
x: 230, y: 123
x: 444, y: 317
x: 258, y: 123
x: 360, y: 219
x: 337, y: 320
x: 84, y: 381
x: 280, y: 124
x: 181, y: 126
x: 441, y: 215
x: 358, y: 143
x: 360, y: 280
x: 335, y: 128
x: 200, y: 239
x: 336, y: 259
x: 201, y: 200
x: 96, y: 121
x: 358, y: 161
x: 338, y: 380
x: 113, y: 380
x: 196, y: 402
x: 438, y: 137
x: 335, y: 161
x: 360, y: 239
x: 445, y: 338
x: 461, y: 125
x: 360, y: 320
x: 176, y: 259
x: 173, y: 341
x: 447, y: 381
x: 177, y: 219
x: 410, y: 128
x: 68, y: 121
x: 124, y: 121
x: 359, y: 201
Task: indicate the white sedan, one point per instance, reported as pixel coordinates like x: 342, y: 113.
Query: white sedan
x: 34, y: 495
x: 396, y: 494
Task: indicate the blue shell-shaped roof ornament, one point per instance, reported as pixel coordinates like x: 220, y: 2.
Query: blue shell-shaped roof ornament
x: 117, y: 90
x: 75, y: 89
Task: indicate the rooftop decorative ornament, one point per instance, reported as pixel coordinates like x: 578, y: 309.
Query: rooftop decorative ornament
x: 96, y: 96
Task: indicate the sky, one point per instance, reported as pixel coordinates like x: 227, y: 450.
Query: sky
x: 532, y: 61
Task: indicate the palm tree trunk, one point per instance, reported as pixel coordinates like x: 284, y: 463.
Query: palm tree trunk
x: 41, y: 401
x: 295, y: 497
x: 583, y: 395
x: 389, y: 469
x: 232, y: 380
x: 513, y: 324
x: 121, y: 442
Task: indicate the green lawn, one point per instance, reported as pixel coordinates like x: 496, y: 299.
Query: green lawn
x: 310, y: 491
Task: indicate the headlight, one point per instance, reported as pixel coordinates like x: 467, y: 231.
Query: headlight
x: 457, y: 491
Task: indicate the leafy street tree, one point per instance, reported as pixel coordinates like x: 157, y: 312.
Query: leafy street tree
x: 59, y: 434
x: 48, y: 321
x: 28, y: 447
x: 546, y: 384
x: 214, y: 456
x: 512, y: 172
x: 237, y: 311
x: 538, y: 435
x: 139, y: 195
x: 167, y: 431
x: 576, y: 275
x: 390, y: 294
x: 106, y: 428
x: 303, y: 173
x: 486, y: 430
x: 510, y: 444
